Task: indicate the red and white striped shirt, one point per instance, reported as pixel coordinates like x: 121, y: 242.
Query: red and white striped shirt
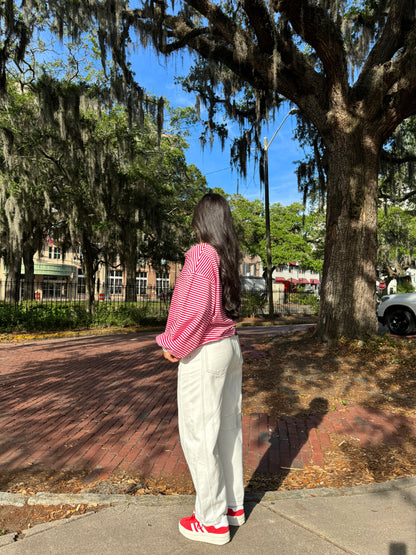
x: 196, y: 314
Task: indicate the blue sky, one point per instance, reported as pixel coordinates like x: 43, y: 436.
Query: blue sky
x: 157, y: 77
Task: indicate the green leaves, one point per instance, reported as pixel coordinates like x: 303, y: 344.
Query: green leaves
x: 106, y: 184
x: 295, y: 236
x: 396, y: 240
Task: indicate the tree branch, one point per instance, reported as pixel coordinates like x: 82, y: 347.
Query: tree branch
x: 56, y: 162
x: 314, y: 26
x: 399, y: 101
x: 262, y: 23
x: 408, y: 157
x: 218, y: 49
x: 293, y: 72
x: 400, y: 20
x: 221, y: 24
x: 396, y: 200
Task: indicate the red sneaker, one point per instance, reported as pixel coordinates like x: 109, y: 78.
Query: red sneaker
x: 236, y: 516
x: 191, y: 528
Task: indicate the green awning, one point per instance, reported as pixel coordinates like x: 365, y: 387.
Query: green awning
x: 45, y: 269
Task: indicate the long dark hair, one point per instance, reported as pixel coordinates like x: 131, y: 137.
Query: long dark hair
x: 213, y: 224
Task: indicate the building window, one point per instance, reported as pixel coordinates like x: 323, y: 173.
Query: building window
x: 55, y: 253
x: 249, y: 269
x: 115, y: 282
x: 54, y: 288
x: 246, y: 269
x: 162, y: 284
x: 141, y: 283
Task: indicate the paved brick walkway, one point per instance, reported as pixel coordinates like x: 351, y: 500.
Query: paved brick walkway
x: 107, y: 403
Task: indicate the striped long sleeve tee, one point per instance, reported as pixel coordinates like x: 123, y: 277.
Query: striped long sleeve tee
x: 196, y: 315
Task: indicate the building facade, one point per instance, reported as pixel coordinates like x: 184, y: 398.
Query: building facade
x: 59, y: 276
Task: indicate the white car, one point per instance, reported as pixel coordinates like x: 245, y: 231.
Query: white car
x: 398, y: 312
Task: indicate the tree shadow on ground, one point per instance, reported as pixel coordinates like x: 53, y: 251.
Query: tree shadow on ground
x: 289, y: 370
x: 76, y: 404
x: 377, y: 375
x: 289, y: 449
x: 370, y: 390
x: 61, y: 397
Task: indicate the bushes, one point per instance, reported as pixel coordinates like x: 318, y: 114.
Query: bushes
x: 252, y: 303
x: 127, y: 314
x: 303, y: 298
x: 42, y: 317
x: 10, y: 319
x: 32, y: 317
x: 405, y: 287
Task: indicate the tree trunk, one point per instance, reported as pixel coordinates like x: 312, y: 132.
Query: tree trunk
x: 348, y: 290
x: 29, y: 283
x: 129, y: 261
x: 88, y: 263
x: 130, y: 294
x: 14, y: 270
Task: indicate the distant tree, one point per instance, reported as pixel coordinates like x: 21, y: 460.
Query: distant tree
x: 248, y: 217
x: 79, y: 170
x: 25, y: 214
x: 295, y: 236
x: 120, y: 183
x: 397, y: 240
x: 293, y: 239
x: 397, y: 184
x: 154, y: 203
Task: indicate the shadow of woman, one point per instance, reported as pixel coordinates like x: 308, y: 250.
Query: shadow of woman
x: 288, y: 449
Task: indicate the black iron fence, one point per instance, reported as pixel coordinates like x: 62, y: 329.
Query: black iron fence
x: 301, y: 303
x: 59, y: 292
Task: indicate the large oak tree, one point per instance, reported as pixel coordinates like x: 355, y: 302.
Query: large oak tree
x: 351, y: 72
x: 348, y: 66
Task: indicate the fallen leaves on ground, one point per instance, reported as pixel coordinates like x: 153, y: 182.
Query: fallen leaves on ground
x: 299, y: 374
x: 18, y: 519
x: 283, y: 376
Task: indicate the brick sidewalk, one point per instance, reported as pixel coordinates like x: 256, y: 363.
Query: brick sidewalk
x: 106, y: 403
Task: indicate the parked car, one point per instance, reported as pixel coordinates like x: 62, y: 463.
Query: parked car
x: 398, y: 312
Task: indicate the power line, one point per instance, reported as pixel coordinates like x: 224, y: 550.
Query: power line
x: 217, y: 171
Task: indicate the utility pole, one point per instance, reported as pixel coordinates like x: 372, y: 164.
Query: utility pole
x: 266, y: 146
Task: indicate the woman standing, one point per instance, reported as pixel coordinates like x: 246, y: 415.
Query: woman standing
x: 201, y: 335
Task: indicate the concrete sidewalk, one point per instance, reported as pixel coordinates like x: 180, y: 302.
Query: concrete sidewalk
x: 367, y: 520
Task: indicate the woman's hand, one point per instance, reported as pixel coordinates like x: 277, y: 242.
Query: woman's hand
x: 170, y: 357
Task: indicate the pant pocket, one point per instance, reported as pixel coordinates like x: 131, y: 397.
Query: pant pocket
x: 218, y: 356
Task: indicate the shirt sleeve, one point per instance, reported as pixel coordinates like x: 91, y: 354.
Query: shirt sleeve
x: 190, y: 315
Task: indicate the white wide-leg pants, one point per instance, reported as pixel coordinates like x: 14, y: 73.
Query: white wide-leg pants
x: 209, y: 415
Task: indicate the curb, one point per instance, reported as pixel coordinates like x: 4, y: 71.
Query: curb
x: 271, y: 497
x: 44, y: 498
